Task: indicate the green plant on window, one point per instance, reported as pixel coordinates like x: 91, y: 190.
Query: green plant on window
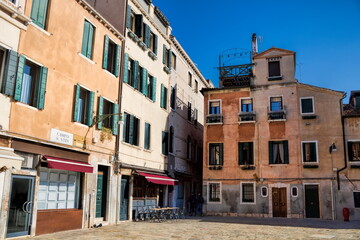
x: 105, y: 134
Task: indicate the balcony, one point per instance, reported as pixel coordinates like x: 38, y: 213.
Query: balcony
x: 236, y: 76
x: 214, y: 119
x: 278, y: 115
x: 247, y: 117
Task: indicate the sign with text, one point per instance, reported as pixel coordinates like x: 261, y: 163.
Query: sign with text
x: 61, y: 137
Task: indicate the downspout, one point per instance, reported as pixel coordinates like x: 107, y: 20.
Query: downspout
x: 117, y: 139
x: 344, y: 142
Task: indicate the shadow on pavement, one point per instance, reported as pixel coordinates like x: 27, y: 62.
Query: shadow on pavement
x: 284, y: 222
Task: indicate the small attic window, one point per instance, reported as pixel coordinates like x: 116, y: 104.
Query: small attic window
x: 357, y: 101
x: 274, y: 69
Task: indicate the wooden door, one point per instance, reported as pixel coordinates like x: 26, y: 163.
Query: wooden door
x: 99, y: 194
x: 312, y: 209
x: 279, y: 202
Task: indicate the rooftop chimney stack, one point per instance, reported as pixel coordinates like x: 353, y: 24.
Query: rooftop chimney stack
x: 254, y: 44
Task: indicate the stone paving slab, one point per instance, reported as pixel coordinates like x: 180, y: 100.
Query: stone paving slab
x: 216, y: 228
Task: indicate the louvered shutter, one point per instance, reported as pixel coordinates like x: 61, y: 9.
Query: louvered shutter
x: 100, y: 112
x: 125, y: 119
x: 106, y: 52
x: 144, y: 77
x: 155, y: 44
x: 117, y: 60
x: 126, y: 68
x: 115, y: 119
x: 135, y: 75
x: 19, y: 78
x: 42, y: 88
x: 10, y: 73
x: 153, y: 88
x: 76, y: 103
x: 89, y: 109
x: 128, y: 17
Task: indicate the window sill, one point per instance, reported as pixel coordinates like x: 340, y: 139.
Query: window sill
x: 142, y: 45
x: 41, y: 29
x: 310, y: 165
x: 215, y: 167
x: 219, y: 202
x: 354, y: 164
x: 152, y: 55
x: 86, y: 58
x: 278, y: 164
x: 248, y: 203
x: 277, y: 120
x: 247, y: 167
x: 27, y: 106
x: 242, y: 122
x: 166, y: 69
x: 130, y: 145
x: 147, y: 150
x: 110, y: 73
x: 274, y: 78
x: 172, y: 154
x: 218, y: 123
x: 81, y: 124
x: 308, y: 116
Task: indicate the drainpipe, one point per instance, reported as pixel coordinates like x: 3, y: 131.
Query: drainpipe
x: 117, y: 139
x: 344, y: 143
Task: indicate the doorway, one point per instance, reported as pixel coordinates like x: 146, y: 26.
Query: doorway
x: 124, y: 198
x: 20, y: 206
x: 101, y: 192
x: 279, y: 202
x: 312, y: 209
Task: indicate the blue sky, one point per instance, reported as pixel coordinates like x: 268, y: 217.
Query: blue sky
x: 325, y: 34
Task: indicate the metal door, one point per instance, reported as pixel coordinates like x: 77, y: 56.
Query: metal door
x: 279, y: 202
x: 124, y: 200
x: 312, y: 209
x: 20, y: 206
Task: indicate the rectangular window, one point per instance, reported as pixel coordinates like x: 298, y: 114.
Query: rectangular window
x: 165, y: 143
x: 247, y: 193
x: 169, y: 59
x: 132, y: 21
x: 214, y: 192
x: 87, y: 41
x: 357, y: 199
x: 274, y: 69
x: 246, y: 153
x: 196, y: 87
x: 153, y: 42
x: 147, y: 136
x: 216, y: 154
x: 131, y: 129
x: 195, y: 116
x: 173, y: 61
x: 354, y: 151
x: 278, y: 152
x: 357, y: 101
x: 38, y: 12
x: 83, y: 109
x: 111, y: 58
x: 189, y: 112
x: 307, y: 105
x: 190, y: 79
x: 107, y: 110
x: 30, y: 83
x: 276, y: 104
x: 108, y: 116
x: 58, y: 189
x: 246, y: 105
x: 214, y: 107
x: 309, y: 151
x: 163, y: 101
x: 173, y: 98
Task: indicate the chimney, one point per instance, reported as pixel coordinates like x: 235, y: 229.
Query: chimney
x: 254, y: 44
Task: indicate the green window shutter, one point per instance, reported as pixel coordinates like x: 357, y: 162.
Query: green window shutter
x: 35, y: 10
x: 42, y: 88
x: 41, y: 19
x: 221, y: 153
x: 164, y: 146
x: 106, y: 52
x: 162, y: 96
x: 164, y: 54
x: 313, y: 152
x: 10, y: 73
x: 147, y: 136
x: 153, y: 88
x: 135, y: 74
x: 241, y: 154
x: 286, y: 151
x: 19, y: 78
x: 125, y: 117
x: 165, y: 97
x: 147, y: 35
x: 144, y: 77
x: 139, y: 25
x: 76, y: 103
x: 128, y: 17
x: 90, y: 41
x: 115, y: 119
x: 251, y: 150
x: 271, y: 160
x: 350, y: 151
x: 131, y: 129
x: 155, y: 44
x: 100, y: 112
x: 117, y: 60
x: 126, y: 66
x: 169, y: 56
x: 89, y: 109
x: 85, y: 38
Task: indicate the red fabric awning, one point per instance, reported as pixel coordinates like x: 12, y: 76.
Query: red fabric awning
x: 68, y: 165
x: 158, y: 179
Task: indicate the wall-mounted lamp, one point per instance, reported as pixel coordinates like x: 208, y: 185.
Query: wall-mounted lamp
x: 332, y: 148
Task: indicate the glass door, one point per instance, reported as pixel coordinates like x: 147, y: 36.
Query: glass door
x: 20, y: 206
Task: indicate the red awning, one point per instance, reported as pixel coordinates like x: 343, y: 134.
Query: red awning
x: 158, y: 179
x: 68, y: 165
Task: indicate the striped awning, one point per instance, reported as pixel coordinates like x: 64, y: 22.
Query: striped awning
x: 158, y: 179
x: 68, y: 165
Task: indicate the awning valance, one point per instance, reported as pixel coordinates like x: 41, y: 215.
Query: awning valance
x: 68, y: 165
x: 158, y: 179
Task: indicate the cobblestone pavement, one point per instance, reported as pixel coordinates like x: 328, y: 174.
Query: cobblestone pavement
x: 217, y: 228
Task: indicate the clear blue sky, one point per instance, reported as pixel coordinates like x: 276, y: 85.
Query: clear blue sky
x: 325, y: 34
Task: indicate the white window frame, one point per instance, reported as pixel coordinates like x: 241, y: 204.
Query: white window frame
x: 282, y: 102
x: 246, y: 98
x: 317, y: 152
x: 208, y: 193
x: 313, y: 105
x: 352, y: 162
x: 214, y: 100
x: 254, y: 190
x: 267, y: 191
x: 297, y: 191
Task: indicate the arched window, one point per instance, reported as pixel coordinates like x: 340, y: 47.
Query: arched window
x: 171, y: 140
